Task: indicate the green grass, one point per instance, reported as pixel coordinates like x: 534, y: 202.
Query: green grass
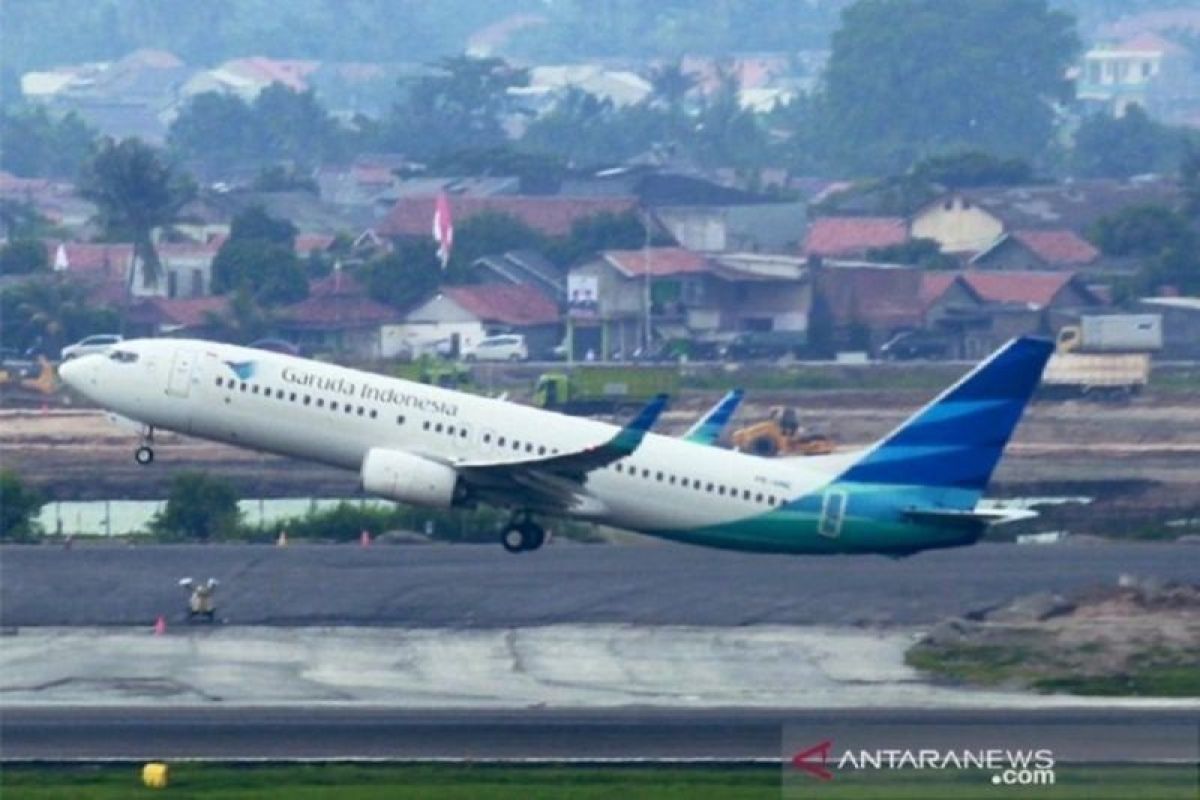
x: 445, y: 782
x: 1153, y: 681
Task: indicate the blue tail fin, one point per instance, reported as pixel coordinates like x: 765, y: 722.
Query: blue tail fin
x: 956, y: 441
x: 708, y: 428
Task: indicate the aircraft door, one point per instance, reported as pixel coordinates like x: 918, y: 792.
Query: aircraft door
x: 179, y: 380
x: 833, y: 512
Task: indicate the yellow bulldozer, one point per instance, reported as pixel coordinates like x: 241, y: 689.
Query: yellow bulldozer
x: 780, y: 435
x: 38, y: 376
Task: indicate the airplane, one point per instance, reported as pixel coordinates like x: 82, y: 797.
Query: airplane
x: 916, y: 489
x: 708, y: 429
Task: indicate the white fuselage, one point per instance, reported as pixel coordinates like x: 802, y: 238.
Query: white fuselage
x: 334, y: 415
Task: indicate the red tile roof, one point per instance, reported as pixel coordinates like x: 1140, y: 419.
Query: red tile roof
x: 934, y: 285
x: 93, y: 260
x: 185, y: 312
x: 308, y: 242
x: 659, y: 261
x: 1058, y: 246
x: 337, y: 302
x: 842, y: 236
x: 1024, y: 287
x: 506, y: 304
x: 553, y: 215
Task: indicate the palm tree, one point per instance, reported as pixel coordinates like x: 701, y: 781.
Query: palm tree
x: 136, y: 191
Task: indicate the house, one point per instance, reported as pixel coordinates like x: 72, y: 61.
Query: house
x: 190, y: 317
x: 623, y: 301
x: 701, y: 214
x: 523, y: 268
x: 339, y: 316
x: 458, y: 317
x: 548, y: 215
x: 979, y: 311
x: 1146, y: 69
x: 847, y: 237
x: 969, y: 221
x: 859, y: 306
x: 1038, y: 250
x: 1180, y: 323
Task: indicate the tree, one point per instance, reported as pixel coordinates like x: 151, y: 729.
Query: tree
x: 47, y: 312
x: 136, y: 191
x: 216, y: 132
x: 1141, y: 231
x: 255, y: 222
x: 404, y: 277
x: 484, y: 234
x: 459, y: 106
x: 602, y: 231
x: 1123, y: 147
x: 200, y: 506
x: 39, y: 145
x: 242, y: 322
x: 966, y: 169
x: 271, y: 273
x: 726, y: 133
x: 1189, y: 178
x: 19, y: 508
x: 910, y: 77
x: 293, y: 127
x: 22, y: 256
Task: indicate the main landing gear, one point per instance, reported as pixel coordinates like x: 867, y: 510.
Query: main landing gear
x: 522, y: 534
x: 144, y: 455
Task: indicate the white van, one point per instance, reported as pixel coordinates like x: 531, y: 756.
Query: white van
x: 509, y: 347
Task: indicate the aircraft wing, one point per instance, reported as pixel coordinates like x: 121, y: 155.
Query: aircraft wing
x: 557, y: 481
x: 709, y: 427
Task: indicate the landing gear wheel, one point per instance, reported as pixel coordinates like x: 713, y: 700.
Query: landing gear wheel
x: 143, y: 455
x: 513, y: 538
x: 522, y: 537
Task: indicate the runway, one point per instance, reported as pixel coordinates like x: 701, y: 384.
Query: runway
x: 480, y: 586
x: 234, y: 734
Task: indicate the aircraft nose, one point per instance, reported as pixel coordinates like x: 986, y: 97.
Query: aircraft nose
x: 80, y: 373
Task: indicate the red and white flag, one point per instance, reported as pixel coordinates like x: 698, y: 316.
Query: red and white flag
x: 443, y: 228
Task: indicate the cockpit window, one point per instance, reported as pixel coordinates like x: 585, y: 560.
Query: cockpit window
x: 123, y: 356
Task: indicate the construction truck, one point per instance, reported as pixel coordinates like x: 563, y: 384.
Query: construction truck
x: 780, y: 435
x: 1104, y: 357
x: 435, y: 372
x: 603, y: 389
x: 35, y: 376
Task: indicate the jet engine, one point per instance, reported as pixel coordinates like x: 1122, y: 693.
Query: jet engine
x: 409, y: 479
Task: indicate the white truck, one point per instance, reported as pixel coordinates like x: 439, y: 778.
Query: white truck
x: 1103, y: 357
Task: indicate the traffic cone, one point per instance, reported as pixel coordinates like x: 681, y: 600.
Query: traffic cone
x: 160, y: 625
x: 282, y: 540
x: 364, y: 539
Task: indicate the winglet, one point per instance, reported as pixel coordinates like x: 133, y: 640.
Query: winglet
x: 709, y: 427
x: 629, y: 437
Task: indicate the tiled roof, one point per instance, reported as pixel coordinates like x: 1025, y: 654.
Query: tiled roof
x: 552, y: 215
x: 308, y: 242
x: 185, y: 312
x: 1058, y: 246
x: 1072, y: 206
x: 509, y: 305
x: 88, y: 258
x: 658, y: 261
x: 1025, y: 287
x: 837, y: 236
x: 337, y: 302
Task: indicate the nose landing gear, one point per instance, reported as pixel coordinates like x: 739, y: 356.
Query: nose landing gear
x: 144, y: 455
x: 522, y: 534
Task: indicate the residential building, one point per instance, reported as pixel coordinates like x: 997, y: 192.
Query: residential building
x: 970, y: 221
x: 1037, y: 250
x: 548, y: 215
x: 192, y: 317
x: 523, y: 268
x: 458, y: 317
x: 623, y: 301
x: 338, y: 316
x: 1141, y: 70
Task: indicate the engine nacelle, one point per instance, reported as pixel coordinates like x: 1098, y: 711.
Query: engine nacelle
x: 409, y: 479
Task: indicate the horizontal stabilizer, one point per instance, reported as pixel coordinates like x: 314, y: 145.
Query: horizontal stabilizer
x: 970, y: 520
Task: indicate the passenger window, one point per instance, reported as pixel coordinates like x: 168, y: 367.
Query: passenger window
x: 333, y: 405
x: 425, y: 425
x: 220, y: 381
x: 659, y: 476
x: 400, y: 420
x: 254, y: 389
x: 500, y: 441
x: 758, y: 498
x: 437, y: 428
x: 542, y: 450
x: 374, y: 413
x: 320, y: 402
x: 361, y: 411
x: 462, y: 433
x: 307, y: 399
x: 292, y: 398
x: 709, y: 487
x: 243, y: 387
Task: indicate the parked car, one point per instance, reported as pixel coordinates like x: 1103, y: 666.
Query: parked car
x: 100, y: 343
x: 911, y: 345
x: 765, y: 345
x: 509, y: 347
x: 277, y: 346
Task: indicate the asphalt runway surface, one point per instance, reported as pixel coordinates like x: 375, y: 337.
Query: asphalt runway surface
x: 66, y: 734
x: 480, y: 586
